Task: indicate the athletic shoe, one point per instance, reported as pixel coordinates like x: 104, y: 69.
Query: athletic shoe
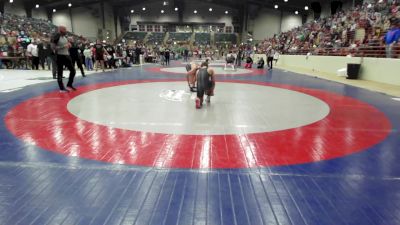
x: 71, y: 88
x: 198, y: 104
x: 64, y: 91
x: 208, y: 99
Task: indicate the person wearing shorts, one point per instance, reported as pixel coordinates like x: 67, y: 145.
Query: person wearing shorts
x: 205, y: 84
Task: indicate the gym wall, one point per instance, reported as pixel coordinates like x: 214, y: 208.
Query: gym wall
x: 153, y: 13
x: 269, y: 22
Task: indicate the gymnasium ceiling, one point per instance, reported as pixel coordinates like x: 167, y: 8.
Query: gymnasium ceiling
x: 290, y: 5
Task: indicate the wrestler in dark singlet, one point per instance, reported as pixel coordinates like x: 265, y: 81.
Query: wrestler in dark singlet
x: 205, y: 84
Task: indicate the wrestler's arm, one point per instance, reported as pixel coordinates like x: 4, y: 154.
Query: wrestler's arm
x: 193, y: 70
x: 212, y: 73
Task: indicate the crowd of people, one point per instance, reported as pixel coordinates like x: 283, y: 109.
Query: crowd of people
x: 24, y: 27
x: 26, y: 42
x: 360, y: 30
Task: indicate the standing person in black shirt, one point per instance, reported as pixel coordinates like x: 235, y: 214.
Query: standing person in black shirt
x: 129, y: 55
x: 162, y: 55
x: 75, y: 55
x: 167, y: 56
x: 270, y: 57
x: 239, y: 58
x: 133, y: 55
x: 185, y: 55
x: 99, y: 55
x: 138, y: 51
x: 41, y: 53
x: 82, y: 47
x: 110, y: 60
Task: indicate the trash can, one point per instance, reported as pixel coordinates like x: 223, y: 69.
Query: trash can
x: 353, y: 70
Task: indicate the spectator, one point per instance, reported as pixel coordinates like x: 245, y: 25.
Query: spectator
x: 100, y: 53
x: 249, y: 62
x: 239, y: 57
x: 185, y: 55
x: 270, y: 57
x: 230, y: 58
x: 75, y: 56
x: 276, y: 57
x: 392, y: 37
x: 41, y: 53
x: 51, y: 59
x: 260, y: 64
x: 88, y: 58
x: 33, y: 54
x: 167, y: 53
x: 111, y: 56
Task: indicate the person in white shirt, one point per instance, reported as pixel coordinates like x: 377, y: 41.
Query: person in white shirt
x: 270, y: 57
x: 33, y: 54
x: 276, y: 57
x: 88, y: 58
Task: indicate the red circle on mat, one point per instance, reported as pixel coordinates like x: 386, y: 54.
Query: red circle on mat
x: 351, y: 126
x: 254, y: 72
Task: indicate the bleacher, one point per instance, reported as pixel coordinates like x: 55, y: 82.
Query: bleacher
x: 376, y: 51
x: 136, y: 36
x: 360, y: 34
x: 156, y: 37
x: 225, y: 38
x: 202, y: 38
x: 179, y: 37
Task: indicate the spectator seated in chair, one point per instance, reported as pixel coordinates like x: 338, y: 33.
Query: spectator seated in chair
x: 249, y: 63
x: 260, y: 64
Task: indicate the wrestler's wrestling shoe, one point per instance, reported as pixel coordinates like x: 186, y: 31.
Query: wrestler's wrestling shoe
x: 198, y: 103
